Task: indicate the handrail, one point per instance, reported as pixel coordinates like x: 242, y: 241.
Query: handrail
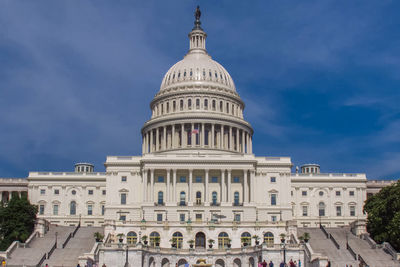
x: 66, y: 240
x: 362, y: 261
x: 351, y: 251
x: 369, y: 240
x: 76, y: 229
x: 31, y: 237
x: 334, y: 241
x: 51, y: 250
x: 324, y: 230
x: 41, y: 260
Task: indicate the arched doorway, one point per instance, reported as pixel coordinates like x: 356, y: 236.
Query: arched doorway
x: 200, y: 241
x: 182, y: 262
x: 237, y: 263
x: 219, y: 263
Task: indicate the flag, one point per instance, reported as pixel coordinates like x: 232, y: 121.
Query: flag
x: 195, y: 131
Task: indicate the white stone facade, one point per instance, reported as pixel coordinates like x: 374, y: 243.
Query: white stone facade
x: 197, y: 179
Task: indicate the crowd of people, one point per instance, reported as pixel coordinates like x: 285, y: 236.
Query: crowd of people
x: 282, y: 264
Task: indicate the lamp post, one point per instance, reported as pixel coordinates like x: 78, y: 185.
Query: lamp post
x: 56, y: 238
x: 126, y: 254
x: 284, y: 249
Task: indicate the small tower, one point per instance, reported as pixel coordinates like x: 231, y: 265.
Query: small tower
x: 84, y: 167
x: 197, y: 36
x: 310, y: 168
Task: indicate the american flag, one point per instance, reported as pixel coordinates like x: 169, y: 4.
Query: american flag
x: 195, y: 131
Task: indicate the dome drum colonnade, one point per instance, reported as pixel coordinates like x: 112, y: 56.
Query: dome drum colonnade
x: 197, y: 107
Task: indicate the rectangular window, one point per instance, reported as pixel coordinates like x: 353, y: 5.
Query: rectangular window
x: 214, y: 179
x: 237, y: 217
x: 160, y: 179
x: 55, y: 209
x: 338, y: 211
x: 273, y: 199
x: 123, y: 179
x: 122, y: 217
x: 42, y: 191
x: 104, y: 192
x: 305, y: 211
x: 182, y: 179
x: 90, y: 192
x: 273, y: 218
x: 351, y: 193
x: 90, y: 210
x: 198, y: 217
x: 273, y: 179
x: 56, y: 191
x: 159, y: 217
x: 338, y: 193
x: 41, y: 209
x: 123, y: 199
x: 352, y: 210
x: 236, y: 179
x: 304, y: 193
x: 102, y: 209
x: 182, y: 217
x: 199, y: 179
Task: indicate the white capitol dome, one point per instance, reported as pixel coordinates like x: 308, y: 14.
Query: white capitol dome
x: 197, y: 107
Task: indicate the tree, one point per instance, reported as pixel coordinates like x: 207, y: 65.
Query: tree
x: 383, y: 210
x: 17, y: 220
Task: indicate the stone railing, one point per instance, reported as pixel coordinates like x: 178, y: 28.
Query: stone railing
x: 7, y: 253
x: 387, y: 247
x: 369, y: 240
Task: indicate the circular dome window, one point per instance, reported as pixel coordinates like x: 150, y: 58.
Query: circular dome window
x: 321, y: 193
x: 73, y: 192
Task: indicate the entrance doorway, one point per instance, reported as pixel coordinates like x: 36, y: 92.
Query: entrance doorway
x: 200, y: 240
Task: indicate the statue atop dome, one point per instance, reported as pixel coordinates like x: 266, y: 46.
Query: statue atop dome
x: 197, y: 22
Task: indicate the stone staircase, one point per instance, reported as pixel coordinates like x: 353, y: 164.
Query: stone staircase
x: 30, y: 256
x: 321, y: 244
x: 82, y: 242
x: 372, y: 256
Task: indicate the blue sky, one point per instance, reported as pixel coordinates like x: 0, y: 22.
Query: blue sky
x: 320, y: 79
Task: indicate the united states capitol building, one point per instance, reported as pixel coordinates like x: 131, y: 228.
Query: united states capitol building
x: 198, y: 180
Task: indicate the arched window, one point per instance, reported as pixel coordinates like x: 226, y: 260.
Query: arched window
x: 214, y: 198
x: 162, y: 108
x: 321, y: 209
x: 227, y: 107
x: 181, y: 104
x: 154, y: 239
x: 269, y: 238
x: 205, y: 104
x: 197, y: 103
x: 245, y: 239
x: 221, y: 105
x: 173, y: 105
x: 160, y: 198
x: 131, y: 238
x: 177, y: 239
x: 223, y: 240
x: 213, y: 104
x: 236, y: 198
x: 72, y: 208
x: 189, y: 103
x: 233, y: 108
x: 198, y: 198
x: 167, y: 107
x: 182, y: 198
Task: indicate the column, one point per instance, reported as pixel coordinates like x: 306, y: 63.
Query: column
x: 143, y: 143
x: 252, y: 184
x: 243, y: 142
x: 173, y: 137
x: 206, y: 186
x: 184, y: 136
x: 251, y: 144
x: 157, y: 139
x: 223, y: 191
x: 152, y: 185
x: 151, y: 141
x: 165, y: 138
x: 247, y: 143
x: 174, y: 185
x: 230, y: 139
x: 245, y: 187
x: 144, y: 175
x: 190, y: 184
x: 237, y: 140
x: 168, y: 185
x: 229, y: 186
x: 203, y: 138
x: 221, y: 144
x: 193, y: 140
x: 212, y: 136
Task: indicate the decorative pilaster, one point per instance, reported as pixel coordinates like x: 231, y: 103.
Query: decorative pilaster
x: 212, y: 136
x: 230, y: 142
x: 223, y: 191
x: 173, y: 146
x: 229, y: 186
x: 157, y: 139
x: 168, y: 185
x: 206, y: 186
x: 174, y: 185
x: 190, y: 186
x: 245, y: 187
x: 152, y: 185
